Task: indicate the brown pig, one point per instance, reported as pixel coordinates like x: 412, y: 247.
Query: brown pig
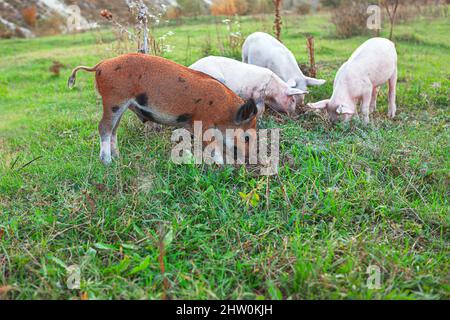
x: 165, y: 92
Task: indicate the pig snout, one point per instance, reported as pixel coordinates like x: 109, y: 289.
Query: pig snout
x: 288, y: 104
x: 334, y: 117
x: 300, y: 100
x: 292, y: 106
x: 285, y: 104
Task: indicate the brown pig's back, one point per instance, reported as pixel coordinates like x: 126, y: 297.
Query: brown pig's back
x: 167, y: 87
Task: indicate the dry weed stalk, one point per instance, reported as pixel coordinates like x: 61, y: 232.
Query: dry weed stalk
x: 278, y: 22
x: 312, y: 59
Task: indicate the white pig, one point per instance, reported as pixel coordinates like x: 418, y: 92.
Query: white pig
x: 251, y: 82
x: 263, y: 50
x: 373, y: 64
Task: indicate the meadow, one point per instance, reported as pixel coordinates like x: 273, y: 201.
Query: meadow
x: 347, y: 197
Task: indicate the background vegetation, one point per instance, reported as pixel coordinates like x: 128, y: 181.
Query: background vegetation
x: 347, y: 197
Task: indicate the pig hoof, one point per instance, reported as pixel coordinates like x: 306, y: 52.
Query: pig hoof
x: 106, y: 159
x: 115, y: 154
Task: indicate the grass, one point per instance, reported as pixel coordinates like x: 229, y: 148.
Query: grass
x: 346, y: 198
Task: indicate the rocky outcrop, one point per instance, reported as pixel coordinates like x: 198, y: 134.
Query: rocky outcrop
x: 11, y: 21
x: 11, y: 29
x: 55, y: 14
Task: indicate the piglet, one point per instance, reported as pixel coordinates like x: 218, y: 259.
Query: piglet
x: 165, y: 92
x: 251, y: 82
x: 261, y: 49
x: 373, y: 64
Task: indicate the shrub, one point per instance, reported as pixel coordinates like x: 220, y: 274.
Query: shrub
x: 174, y: 13
x: 350, y: 18
x: 410, y: 10
x: 261, y: 6
x: 52, y: 24
x: 241, y: 6
x: 229, y: 7
x: 331, y: 3
x: 303, y: 8
x: 29, y: 15
x: 191, y: 8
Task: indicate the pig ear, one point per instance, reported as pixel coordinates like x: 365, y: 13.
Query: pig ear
x: 246, y: 112
x: 318, y: 105
x: 296, y: 92
x: 292, y: 83
x: 261, y: 106
x: 343, y: 109
x: 314, y: 82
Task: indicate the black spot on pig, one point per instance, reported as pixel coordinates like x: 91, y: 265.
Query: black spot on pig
x: 147, y: 116
x: 211, y: 102
x: 141, y: 117
x: 115, y: 109
x: 142, y: 99
x: 118, y: 68
x: 186, y: 117
x: 197, y: 101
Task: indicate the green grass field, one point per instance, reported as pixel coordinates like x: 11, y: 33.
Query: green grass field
x: 347, y: 197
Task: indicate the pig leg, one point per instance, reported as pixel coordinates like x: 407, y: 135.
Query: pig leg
x: 114, y: 148
x: 117, y: 116
x: 244, y: 56
x: 105, y: 130
x: 392, y: 95
x: 365, y: 106
x: 137, y: 113
x: 373, y: 102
